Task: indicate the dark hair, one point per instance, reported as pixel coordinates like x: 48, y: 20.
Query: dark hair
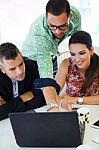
x: 81, y: 37
x: 8, y: 51
x: 56, y: 7
x: 93, y: 70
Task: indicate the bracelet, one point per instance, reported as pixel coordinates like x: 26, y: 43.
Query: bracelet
x: 80, y: 100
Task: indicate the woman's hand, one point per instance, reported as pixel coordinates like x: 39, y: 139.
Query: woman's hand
x: 70, y: 98
x: 66, y: 102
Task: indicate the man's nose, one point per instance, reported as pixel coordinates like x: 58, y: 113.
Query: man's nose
x: 18, y: 70
x: 58, y: 30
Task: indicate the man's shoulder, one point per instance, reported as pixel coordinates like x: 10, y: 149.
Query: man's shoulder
x: 75, y: 16
x: 39, y: 22
x: 3, y: 78
x: 40, y: 28
x: 75, y: 11
x: 29, y: 61
x: 31, y: 67
x: 1, y: 74
x: 30, y: 64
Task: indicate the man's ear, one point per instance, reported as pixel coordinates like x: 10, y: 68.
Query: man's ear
x: 2, y: 69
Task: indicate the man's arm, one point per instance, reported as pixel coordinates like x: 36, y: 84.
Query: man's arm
x: 49, y: 87
x: 2, y: 101
x: 40, y: 52
x: 38, y: 47
x: 50, y: 95
x: 27, y: 96
x: 15, y: 105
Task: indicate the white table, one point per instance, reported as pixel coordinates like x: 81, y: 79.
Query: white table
x: 7, y: 140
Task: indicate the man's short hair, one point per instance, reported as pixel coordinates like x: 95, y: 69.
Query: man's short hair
x: 56, y: 7
x: 8, y: 51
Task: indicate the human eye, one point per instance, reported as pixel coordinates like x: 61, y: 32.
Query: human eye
x: 12, y: 69
x: 82, y: 52
x: 63, y: 27
x: 72, y: 54
x: 52, y: 27
x: 21, y: 64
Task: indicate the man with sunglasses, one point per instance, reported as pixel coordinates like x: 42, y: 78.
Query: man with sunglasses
x: 47, y: 32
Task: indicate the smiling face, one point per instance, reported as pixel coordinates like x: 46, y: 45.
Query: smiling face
x: 80, y: 55
x: 15, y: 69
x: 58, y: 24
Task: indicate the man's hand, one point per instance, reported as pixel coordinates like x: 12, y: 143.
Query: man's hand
x: 2, y: 101
x: 27, y: 96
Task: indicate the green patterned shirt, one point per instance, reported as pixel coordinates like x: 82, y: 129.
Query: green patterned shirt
x: 40, y: 43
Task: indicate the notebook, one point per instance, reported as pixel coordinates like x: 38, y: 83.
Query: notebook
x: 46, y: 129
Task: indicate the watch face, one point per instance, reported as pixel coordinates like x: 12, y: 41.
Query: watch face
x: 80, y: 103
x: 80, y: 100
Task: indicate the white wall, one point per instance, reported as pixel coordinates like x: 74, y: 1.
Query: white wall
x: 16, y: 17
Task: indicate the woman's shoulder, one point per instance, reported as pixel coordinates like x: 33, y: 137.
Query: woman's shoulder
x: 66, y: 63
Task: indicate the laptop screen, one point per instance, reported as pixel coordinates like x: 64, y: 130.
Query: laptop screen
x: 46, y: 129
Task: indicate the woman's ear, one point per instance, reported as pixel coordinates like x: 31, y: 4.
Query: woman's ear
x: 92, y: 50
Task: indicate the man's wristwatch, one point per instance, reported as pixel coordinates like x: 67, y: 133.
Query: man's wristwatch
x: 80, y: 100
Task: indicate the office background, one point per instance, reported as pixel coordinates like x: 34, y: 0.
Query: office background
x: 16, y: 17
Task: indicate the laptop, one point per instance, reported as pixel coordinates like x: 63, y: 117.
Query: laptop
x: 46, y: 129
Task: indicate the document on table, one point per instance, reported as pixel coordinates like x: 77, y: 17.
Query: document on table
x: 43, y: 108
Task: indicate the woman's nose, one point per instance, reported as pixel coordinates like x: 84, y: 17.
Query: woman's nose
x: 77, y: 58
